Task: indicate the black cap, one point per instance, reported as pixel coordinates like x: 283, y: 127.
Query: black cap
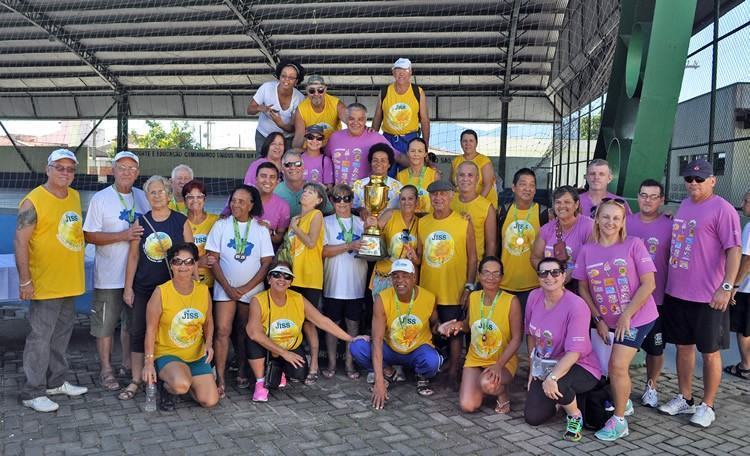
x: 698, y: 168
x: 440, y: 186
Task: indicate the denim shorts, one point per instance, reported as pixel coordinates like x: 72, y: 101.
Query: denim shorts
x: 636, y: 336
x: 199, y: 367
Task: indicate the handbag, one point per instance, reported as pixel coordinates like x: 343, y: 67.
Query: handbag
x: 560, y: 250
x: 273, y: 368
x: 594, y: 406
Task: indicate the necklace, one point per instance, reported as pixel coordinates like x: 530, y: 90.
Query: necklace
x: 484, y: 322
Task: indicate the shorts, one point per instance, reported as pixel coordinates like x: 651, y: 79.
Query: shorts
x: 450, y: 312
x: 636, y: 336
x: 338, y: 309
x: 694, y: 323
x: 739, y: 314
x: 107, y: 310
x: 311, y: 294
x: 653, y: 344
x: 199, y: 367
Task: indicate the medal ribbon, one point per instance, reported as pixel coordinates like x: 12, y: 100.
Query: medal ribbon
x: 240, y: 243
x: 348, y: 235
x: 131, y: 211
x: 518, y: 229
x: 483, y: 322
x: 398, y: 308
x: 177, y: 207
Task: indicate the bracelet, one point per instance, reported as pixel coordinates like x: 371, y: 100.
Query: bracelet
x: 25, y: 284
x: 147, y: 356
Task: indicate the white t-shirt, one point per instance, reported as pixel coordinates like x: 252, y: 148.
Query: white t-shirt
x: 268, y: 94
x: 106, y: 214
x: 345, y: 276
x: 745, y: 285
x: 258, y: 246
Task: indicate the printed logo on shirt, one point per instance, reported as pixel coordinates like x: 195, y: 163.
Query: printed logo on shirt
x: 186, y: 327
x: 396, y: 244
x: 486, y: 341
x: 519, y: 236
x: 199, y: 239
x: 399, y: 116
x: 248, y: 247
x: 284, y: 333
x: 70, y: 231
x: 652, y: 244
x: 404, y: 331
x: 439, y: 248
x: 125, y: 215
x: 156, y: 245
x: 683, y: 237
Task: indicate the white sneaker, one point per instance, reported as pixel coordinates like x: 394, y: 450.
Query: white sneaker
x: 629, y: 408
x: 704, y: 416
x: 677, y: 406
x: 68, y: 389
x: 650, y: 397
x: 371, y: 378
x: 41, y: 404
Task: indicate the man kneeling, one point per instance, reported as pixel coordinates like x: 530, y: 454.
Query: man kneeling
x: 405, y: 310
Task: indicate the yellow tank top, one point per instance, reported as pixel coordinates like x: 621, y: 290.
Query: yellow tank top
x: 519, y: 231
x: 307, y: 263
x: 404, y: 332
x: 488, y: 340
x: 180, y: 331
x: 200, y: 234
x: 400, y: 111
x: 177, y: 206
x: 328, y: 118
x: 56, y: 247
x: 421, y: 181
x: 443, y: 269
x: 476, y: 209
x: 479, y: 160
x: 286, y: 321
x: 393, y: 231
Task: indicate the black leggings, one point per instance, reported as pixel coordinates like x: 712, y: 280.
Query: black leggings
x: 138, y: 322
x: 254, y: 350
x: 539, y: 408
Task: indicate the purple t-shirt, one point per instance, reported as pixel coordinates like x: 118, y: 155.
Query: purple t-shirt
x: 613, y: 274
x: 574, y: 239
x: 349, y: 154
x: 587, y: 204
x: 701, y: 232
x: 253, y: 169
x: 276, y: 212
x: 318, y: 169
x: 656, y: 235
x: 563, y: 329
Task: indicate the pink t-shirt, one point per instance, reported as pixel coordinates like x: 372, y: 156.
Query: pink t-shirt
x: 613, y: 274
x: 701, y: 232
x: 656, y: 235
x: 253, y: 169
x: 574, y: 238
x: 349, y: 154
x: 563, y: 329
x: 276, y: 212
x: 587, y: 204
x: 318, y: 169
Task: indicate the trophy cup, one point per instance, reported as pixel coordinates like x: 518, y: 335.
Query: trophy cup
x: 375, y: 201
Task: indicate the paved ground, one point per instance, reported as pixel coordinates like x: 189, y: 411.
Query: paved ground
x: 332, y: 417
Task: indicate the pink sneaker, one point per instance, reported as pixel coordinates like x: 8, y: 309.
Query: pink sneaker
x: 261, y: 393
x: 282, y: 383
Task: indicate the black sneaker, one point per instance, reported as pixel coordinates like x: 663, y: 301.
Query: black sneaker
x: 166, y: 399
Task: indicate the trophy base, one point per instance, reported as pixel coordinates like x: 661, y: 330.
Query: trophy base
x: 372, y: 249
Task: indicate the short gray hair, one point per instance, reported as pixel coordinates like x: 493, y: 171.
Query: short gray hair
x: 290, y: 153
x: 356, y: 107
x: 180, y: 167
x: 598, y: 162
x: 161, y: 179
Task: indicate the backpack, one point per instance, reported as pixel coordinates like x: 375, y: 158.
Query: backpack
x: 415, y: 91
x: 593, y: 406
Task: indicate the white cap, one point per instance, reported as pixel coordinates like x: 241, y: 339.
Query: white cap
x: 59, y: 154
x: 283, y: 269
x: 402, y: 63
x: 126, y: 154
x: 402, y: 265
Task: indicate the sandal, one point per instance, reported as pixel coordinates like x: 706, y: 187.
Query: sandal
x: 243, y: 383
x: 108, y: 381
x: 738, y: 371
x: 329, y: 373
x: 423, y: 387
x: 353, y: 374
x: 130, y: 391
x: 311, y: 378
x: 502, y: 407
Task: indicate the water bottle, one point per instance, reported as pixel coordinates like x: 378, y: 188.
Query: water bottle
x: 150, y: 397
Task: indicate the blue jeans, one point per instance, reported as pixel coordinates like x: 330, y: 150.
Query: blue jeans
x: 425, y: 360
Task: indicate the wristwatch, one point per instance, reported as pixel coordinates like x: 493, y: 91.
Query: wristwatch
x: 552, y: 377
x: 726, y: 286
x: 597, y: 318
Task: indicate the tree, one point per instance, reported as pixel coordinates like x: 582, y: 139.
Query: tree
x: 589, y: 127
x: 180, y: 136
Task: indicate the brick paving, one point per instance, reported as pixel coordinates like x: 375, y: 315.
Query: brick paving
x: 331, y: 417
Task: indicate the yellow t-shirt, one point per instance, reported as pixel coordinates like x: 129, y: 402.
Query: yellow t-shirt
x: 56, y: 247
x: 393, y: 231
x: 200, y: 234
x: 307, y: 262
x: 405, y: 333
x: 421, y: 181
x: 479, y: 160
x: 444, y: 267
x: 177, y: 206
x: 286, y: 321
x: 180, y: 331
x: 519, y: 231
x: 476, y: 209
x: 328, y: 118
x: 488, y: 340
x: 400, y: 111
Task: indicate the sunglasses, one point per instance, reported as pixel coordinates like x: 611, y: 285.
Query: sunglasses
x: 279, y: 275
x: 313, y: 137
x: 64, y: 169
x: 294, y: 164
x: 320, y: 90
x: 554, y: 272
x: 691, y: 179
x: 180, y: 261
x: 619, y: 201
x: 342, y: 199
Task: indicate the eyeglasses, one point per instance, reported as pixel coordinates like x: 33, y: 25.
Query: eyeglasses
x: 553, y: 272
x: 495, y: 274
x: 313, y: 137
x: 157, y: 192
x: 279, y: 275
x: 647, y: 197
x: 294, y: 164
x: 288, y: 78
x: 342, y: 199
x: 180, y: 261
x: 195, y: 197
x: 320, y: 90
x: 691, y: 179
x: 64, y: 169
x: 126, y: 169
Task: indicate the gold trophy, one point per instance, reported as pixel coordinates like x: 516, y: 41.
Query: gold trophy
x: 375, y: 201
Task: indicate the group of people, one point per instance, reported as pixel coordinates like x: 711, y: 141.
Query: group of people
x: 464, y: 281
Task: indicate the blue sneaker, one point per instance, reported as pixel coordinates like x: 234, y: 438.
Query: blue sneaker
x: 613, y: 429
x: 629, y: 408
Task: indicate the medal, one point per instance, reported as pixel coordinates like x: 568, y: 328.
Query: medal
x: 517, y: 227
x: 239, y: 242
x: 347, y: 235
x: 484, y: 337
x: 519, y: 241
x: 485, y: 322
x: 239, y: 257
